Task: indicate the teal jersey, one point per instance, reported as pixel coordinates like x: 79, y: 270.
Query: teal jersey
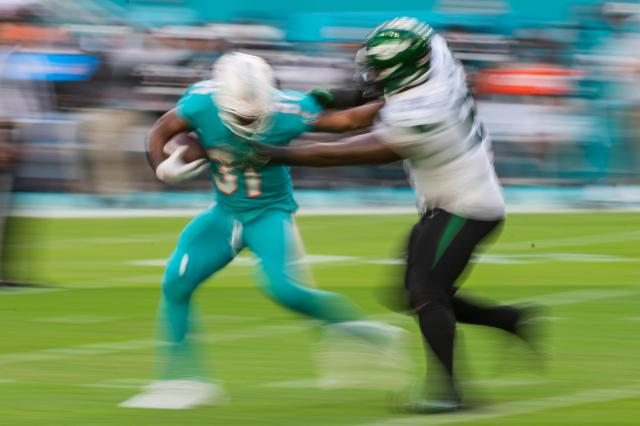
x: 244, y: 191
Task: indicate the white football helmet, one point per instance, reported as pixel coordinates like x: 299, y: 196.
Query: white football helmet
x: 245, y: 91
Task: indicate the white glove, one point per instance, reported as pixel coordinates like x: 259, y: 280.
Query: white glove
x: 174, y: 169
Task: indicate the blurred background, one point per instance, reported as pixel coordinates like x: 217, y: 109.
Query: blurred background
x: 81, y: 81
x: 558, y: 86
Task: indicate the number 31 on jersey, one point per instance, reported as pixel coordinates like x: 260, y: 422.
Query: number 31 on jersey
x: 226, y: 178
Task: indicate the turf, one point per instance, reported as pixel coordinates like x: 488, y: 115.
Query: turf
x: 69, y: 353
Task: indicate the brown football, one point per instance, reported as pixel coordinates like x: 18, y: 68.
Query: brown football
x: 194, y: 150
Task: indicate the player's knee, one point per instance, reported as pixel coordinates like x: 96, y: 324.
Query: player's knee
x: 173, y: 290
x: 428, y: 295
x: 176, y: 284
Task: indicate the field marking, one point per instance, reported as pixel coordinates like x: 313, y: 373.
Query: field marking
x: 527, y: 259
x: 78, y: 319
x: 494, y: 259
x: 577, y: 296
x: 189, y: 212
x: 517, y: 408
x: 508, y: 382
x: 568, y: 241
x: 105, y: 348
x: 252, y: 261
x: 28, y: 290
x: 99, y: 241
x: 317, y: 383
x: 257, y: 332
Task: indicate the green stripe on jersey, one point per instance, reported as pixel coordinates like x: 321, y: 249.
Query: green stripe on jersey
x: 454, y: 226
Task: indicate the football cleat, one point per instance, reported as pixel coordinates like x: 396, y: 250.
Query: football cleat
x: 177, y: 395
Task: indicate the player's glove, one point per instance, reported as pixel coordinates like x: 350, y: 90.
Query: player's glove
x: 340, y: 98
x: 174, y: 169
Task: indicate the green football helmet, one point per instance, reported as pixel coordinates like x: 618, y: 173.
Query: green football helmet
x: 395, y: 55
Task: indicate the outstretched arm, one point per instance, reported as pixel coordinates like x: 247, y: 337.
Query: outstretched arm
x: 361, y: 149
x: 347, y: 120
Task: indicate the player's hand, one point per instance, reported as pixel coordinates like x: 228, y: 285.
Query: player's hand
x: 174, y: 169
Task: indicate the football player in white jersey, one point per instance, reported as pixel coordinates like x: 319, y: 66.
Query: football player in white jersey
x: 429, y: 121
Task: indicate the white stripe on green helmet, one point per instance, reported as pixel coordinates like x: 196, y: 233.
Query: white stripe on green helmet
x: 395, y: 55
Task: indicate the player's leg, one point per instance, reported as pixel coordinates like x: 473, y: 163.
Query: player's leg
x: 430, y: 299
x: 470, y: 311
x: 441, y: 245
x: 525, y: 321
x: 204, y: 247
x: 273, y: 239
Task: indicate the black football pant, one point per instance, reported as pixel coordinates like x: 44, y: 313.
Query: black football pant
x: 440, y: 247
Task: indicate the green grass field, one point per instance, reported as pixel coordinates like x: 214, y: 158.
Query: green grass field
x: 70, y: 353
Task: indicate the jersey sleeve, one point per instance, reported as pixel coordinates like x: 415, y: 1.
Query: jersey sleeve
x: 295, y: 113
x: 404, y: 131
x: 195, y: 102
x: 310, y: 110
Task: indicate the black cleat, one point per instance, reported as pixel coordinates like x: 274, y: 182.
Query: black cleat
x: 530, y: 328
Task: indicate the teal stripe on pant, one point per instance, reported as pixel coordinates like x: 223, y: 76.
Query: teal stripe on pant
x: 207, y: 245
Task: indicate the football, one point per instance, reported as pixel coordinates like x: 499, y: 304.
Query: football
x: 195, y: 151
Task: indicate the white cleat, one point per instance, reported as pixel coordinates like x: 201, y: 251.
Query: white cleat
x: 376, y: 333
x: 177, y: 395
x: 363, y: 354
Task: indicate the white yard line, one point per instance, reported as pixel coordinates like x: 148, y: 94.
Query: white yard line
x: 79, y: 319
x: 252, y: 261
x: 508, y: 382
x: 518, y: 408
x: 577, y: 296
x: 569, y: 241
x: 103, y: 213
x: 318, y: 383
x: 18, y: 291
x: 100, y: 241
x: 106, y: 348
x: 135, y: 213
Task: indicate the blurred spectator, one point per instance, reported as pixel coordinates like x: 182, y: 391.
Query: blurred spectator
x: 560, y: 97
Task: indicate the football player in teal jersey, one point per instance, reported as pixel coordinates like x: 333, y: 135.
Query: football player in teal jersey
x: 254, y: 209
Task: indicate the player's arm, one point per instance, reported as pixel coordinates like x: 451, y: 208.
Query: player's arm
x: 172, y: 169
x: 361, y: 149
x: 164, y: 129
x: 351, y: 119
